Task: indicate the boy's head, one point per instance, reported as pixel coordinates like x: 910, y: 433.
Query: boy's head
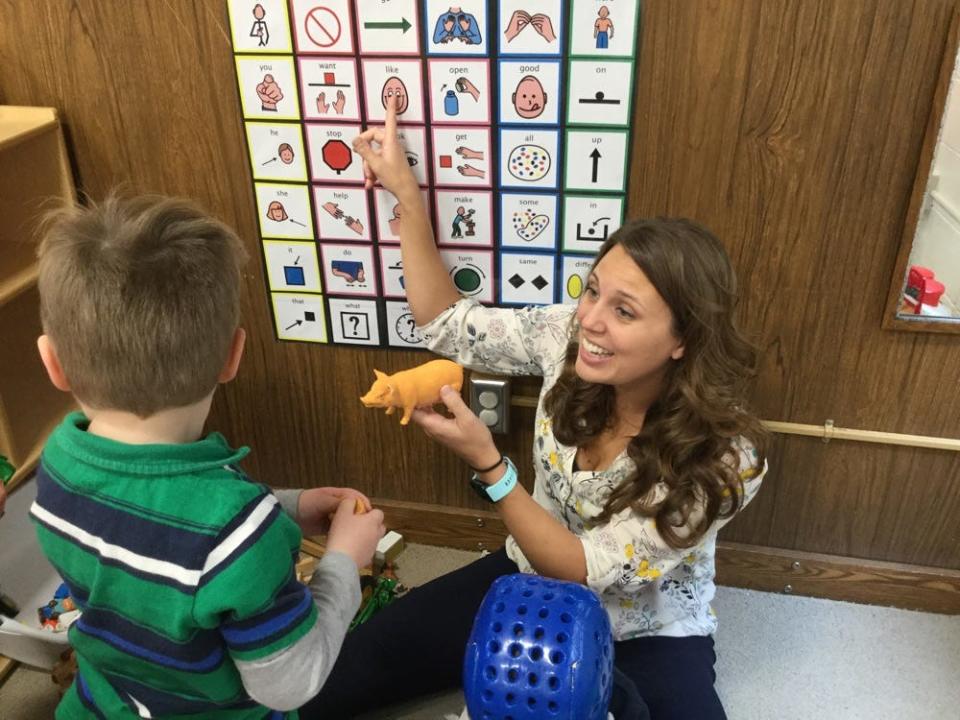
x: 139, y: 301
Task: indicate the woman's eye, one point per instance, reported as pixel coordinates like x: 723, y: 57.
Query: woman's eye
x: 592, y: 291
x: 624, y: 313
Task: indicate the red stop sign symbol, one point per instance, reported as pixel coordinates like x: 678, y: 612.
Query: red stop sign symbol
x: 337, y: 155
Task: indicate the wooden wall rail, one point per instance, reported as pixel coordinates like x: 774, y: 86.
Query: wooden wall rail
x: 826, y: 432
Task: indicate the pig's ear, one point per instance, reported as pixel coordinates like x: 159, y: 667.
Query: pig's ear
x: 379, y: 375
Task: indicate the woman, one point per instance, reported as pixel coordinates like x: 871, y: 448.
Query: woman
x: 643, y: 450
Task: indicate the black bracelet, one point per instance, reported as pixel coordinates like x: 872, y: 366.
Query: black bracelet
x: 485, y: 470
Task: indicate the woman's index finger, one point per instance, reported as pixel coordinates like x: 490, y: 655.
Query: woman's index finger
x: 391, y: 121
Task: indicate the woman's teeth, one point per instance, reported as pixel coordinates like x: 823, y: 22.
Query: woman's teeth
x: 595, y: 349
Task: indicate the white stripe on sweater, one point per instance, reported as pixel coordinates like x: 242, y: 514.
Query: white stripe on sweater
x: 135, y: 561
x: 236, y: 538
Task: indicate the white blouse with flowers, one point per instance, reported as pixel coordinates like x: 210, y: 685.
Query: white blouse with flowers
x: 647, y: 587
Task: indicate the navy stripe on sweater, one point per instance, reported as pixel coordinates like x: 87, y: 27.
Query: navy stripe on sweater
x: 293, y: 605
x: 160, y: 702
x: 202, y: 653
x: 149, y: 538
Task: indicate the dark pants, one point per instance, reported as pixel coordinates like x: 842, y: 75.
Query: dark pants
x: 415, y: 646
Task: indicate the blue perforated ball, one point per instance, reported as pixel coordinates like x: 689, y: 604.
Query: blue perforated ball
x: 539, y: 648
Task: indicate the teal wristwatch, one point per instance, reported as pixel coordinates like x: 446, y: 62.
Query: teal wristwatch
x: 501, y: 488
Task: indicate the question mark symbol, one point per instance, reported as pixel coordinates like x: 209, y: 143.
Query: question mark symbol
x: 356, y: 323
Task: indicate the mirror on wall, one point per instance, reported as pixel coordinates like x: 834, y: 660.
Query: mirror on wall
x: 932, y: 283
x: 925, y: 294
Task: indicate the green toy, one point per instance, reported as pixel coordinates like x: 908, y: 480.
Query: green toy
x: 384, y: 593
x: 6, y: 470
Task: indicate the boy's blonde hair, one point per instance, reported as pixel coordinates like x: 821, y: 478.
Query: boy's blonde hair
x: 140, y: 299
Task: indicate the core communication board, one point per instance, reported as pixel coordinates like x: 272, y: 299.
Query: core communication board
x: 516, y: 121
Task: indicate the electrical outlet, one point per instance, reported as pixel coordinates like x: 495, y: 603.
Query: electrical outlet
x: 490, y: 400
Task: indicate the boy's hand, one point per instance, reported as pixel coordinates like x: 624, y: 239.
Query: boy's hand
x: 317, y: 505
x: 464, y: 433
x: 388, y: 162
x: 355, y: 535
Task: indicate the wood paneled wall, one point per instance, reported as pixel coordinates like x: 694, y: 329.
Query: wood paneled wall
x: 792, y: 129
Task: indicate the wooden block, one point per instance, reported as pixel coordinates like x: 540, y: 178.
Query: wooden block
x: 388, y: 548
x: 315, y: 546
x: 305, y: 567
x: 7, y: 666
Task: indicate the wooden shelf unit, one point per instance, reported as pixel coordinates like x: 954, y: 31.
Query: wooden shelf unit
x: 34, y: 177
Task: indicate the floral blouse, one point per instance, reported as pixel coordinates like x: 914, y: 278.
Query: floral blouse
x: 647, y: 587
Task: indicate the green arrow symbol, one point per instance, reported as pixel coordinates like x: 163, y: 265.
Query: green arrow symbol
x: 402, y: 25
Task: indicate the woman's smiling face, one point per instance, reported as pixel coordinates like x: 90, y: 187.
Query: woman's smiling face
x: 626, y: 328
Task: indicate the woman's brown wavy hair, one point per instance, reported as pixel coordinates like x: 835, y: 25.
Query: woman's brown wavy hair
x: 702, y: 410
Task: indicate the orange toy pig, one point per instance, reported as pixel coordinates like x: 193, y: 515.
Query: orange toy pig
x: 413, y: 388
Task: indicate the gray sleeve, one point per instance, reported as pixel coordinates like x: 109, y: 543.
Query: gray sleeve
x: 289, y: 501
x: 287, y: 679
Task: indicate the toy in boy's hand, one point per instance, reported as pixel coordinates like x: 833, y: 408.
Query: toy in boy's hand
x: 410, y: 389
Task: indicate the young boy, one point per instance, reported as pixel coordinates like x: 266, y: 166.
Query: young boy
x: 183, y: 566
